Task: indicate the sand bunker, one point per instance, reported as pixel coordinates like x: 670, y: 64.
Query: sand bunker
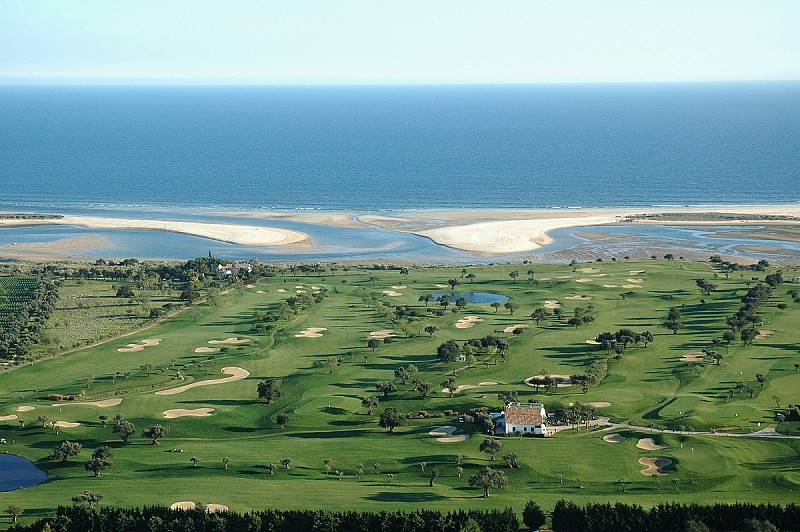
x: 25, y: 408
x: 467, y: 322
x: 445, y: 434
x: 299, y: 286
x: 631, y: 286
x: 655, y: 466
x: 132, y: 348
x: 598, y: 404
x: 236, y: 374
x: 189, y: 505
x: 232, y: 341
x: 315, y: 287
x: 614, y: 438
x: 592, y: 342
x: 579, y: 298
x: 589, y: 270
x: 399, y: 287
x: 545, y: 278
x: 552, y: 303
x: 564, y: 380
x: 184, y: 412
x: 207, y: 350
x: 697, y: 356
x: 469, y: 387
x: 442, y: 285
x: 511, y: 328
x: 636, y: 272
x: 635, y: 280
x: 610, y: 286
x: 583, y: 280
x: 105, y: 403
x: 301, y: 291
x: 10, y: 417
x: 649, y: 445
x: 311, y: 332
x: 261, y: 291
x: 380, y: 335
x: 282, y: 290
x: 66, y: 424
x: 764, y: 334
x: 599, y: 275
x: 392, y: 293
x: 251, y: 286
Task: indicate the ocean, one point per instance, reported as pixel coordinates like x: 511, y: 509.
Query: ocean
x: 184, y: 151
x: 382, y: 148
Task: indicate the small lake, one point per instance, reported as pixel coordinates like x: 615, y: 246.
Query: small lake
x: 474, y: 297
x: 17, y: 472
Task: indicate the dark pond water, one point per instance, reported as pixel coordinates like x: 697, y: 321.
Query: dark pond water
x: 474, y: 297
x: 17, y: 472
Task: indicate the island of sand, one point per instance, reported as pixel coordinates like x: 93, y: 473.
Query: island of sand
x: 246, y: 235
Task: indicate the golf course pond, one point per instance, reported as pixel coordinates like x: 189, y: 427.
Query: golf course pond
x: 474, y: 297
x: 17, y: 472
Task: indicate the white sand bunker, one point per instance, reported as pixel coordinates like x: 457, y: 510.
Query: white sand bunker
x: 208, y: 350
x: 599, y: 275
x: 467, y: 322
x: 552, y: 303
x: 189, y: 505
x: 697, y: 356
x: 399, y: 287
x: 66, y: 424
x: 251, y: 286
x: 445, y: 434
x: 636, y: 272
x: 545, y: 278
x: 764, y: 333
x: 311, y: 332
x: 10, y: 417
x: 589, y: 270
x: 649, y: 445
x: 25, y: 408
x: 592, y: 342
x: 469, y: 387
x: 132, y: 348
x: 563, y: 380
x: 631, y: 286
x: 231, y: 341
x: 261, y: 291
x: 511, y: 328
x: 184, y: 412
x: 583, y: 280
x: 299, y: 286
x: 655, y: 466
x: 614, y: 438
x: 105, y: 403
x: 579, y: 298
x: 599, y: 404
x: 315, y: 287
x: 380, y: 335
x: 610, y: 286
x: 442, y: 285
x: 282, y: 290
x: 236, y: 374
x: 301, y: 291
x: 635, y: 280
x: 392, y: 293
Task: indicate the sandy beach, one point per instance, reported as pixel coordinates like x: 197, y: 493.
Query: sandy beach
x: 481, y: 232
x: 247, y: 235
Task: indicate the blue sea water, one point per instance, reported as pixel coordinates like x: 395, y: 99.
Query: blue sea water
x: 401, y: 147
x: 182, y: 152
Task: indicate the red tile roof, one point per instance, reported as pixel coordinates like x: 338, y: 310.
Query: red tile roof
x: 524, y: 414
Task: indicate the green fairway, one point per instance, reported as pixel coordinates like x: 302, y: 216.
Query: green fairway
x: 325, y: 374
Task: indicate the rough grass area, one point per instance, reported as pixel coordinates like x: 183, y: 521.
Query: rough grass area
x: 324, y: 379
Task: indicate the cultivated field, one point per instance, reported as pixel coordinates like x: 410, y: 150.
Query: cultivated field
x: 322, y: 361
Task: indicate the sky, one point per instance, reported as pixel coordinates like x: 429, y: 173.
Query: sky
x: 397, y: 41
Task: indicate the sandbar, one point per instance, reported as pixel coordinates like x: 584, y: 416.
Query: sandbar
x: 246, y: 235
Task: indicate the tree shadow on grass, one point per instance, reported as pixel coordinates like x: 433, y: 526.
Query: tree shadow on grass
x: 241, y: 429
x: 393, y: 496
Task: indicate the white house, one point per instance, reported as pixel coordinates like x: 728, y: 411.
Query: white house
x: 522, y: 418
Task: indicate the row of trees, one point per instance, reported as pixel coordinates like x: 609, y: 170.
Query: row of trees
x: 20, y: 331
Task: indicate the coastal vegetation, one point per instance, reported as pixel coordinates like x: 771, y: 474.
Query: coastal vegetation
x: 279, y: 386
